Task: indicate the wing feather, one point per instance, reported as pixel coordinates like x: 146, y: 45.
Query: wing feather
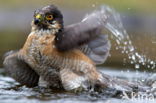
x: 20, y: 70
x: 97, y: 49
x: 76, y: 35
x: 81, y: 33
x: 88, y: 35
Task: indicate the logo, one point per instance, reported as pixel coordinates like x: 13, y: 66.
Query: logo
x: 139, y: 97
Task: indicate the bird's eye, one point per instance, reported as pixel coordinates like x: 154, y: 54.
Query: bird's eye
x: 49, y: 17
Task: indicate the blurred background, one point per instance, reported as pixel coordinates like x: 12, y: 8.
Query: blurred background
x: 138, y: 17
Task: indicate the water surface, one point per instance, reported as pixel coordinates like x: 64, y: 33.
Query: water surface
x: 11, y: 91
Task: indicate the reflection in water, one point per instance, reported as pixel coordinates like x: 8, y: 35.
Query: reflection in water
x: 110, y: 19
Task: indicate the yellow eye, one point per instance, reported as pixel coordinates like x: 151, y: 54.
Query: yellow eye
x: 49, y: 17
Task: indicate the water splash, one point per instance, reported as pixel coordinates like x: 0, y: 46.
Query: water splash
x: 111, y: 20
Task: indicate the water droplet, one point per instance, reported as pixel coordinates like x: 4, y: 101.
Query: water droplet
x: 132, y: 62
x: 137, y: 66
x: 113, y: 23
x: 151, y: 62
x: 143, y: 63
x: 118, y: 42
x: 133, y: 57
x: 131, y: 48
x: 148, y: 66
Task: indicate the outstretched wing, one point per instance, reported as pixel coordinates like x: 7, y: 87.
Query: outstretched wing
x: 88, y: 32
x: 76, y: 35
x: 97, y: 49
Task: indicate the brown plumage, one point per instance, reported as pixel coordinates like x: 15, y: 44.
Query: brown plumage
x: 62, y: 57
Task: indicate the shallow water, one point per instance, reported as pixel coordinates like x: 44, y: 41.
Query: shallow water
x: 11, y: 91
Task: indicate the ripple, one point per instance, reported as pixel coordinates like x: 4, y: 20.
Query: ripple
x: 11, y: 91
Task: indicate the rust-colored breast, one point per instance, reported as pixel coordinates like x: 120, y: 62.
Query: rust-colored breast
x: 27, y: 44
x: 49, y: 49
x: 45, y: 45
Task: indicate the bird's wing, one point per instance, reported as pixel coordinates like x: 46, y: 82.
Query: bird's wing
x: 17, y: 68
x: 97, y: 49
x: 87, y: 32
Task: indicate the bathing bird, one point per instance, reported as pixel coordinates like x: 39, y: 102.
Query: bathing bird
x: 62, y: 57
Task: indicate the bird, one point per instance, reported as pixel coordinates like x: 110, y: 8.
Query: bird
x: 62, y: 57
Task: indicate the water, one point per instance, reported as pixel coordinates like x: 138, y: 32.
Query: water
x: 11, y: 91
x: 111, y: 20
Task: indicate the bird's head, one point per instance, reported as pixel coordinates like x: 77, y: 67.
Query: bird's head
x: 48, y: 18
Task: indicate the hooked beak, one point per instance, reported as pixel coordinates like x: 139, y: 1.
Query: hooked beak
x: 38, y: 19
